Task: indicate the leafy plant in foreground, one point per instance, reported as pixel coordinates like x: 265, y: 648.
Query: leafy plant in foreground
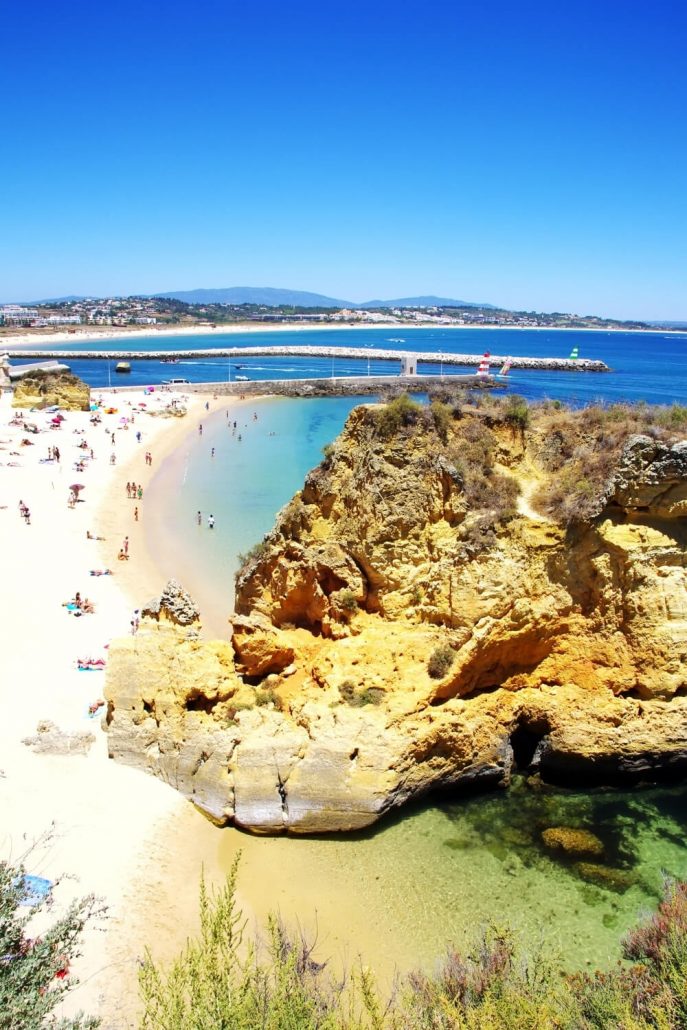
x: 34, y: 970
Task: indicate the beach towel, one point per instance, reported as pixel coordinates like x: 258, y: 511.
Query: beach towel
x: 36, y: 890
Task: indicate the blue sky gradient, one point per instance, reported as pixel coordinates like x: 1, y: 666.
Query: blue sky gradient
x: 530, y: 155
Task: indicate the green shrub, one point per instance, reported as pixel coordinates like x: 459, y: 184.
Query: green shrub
x: 256, y: 551
x: 442, y: 418
x: 267, y: 696
x: 396, y: 414
x: 356, y: 698
x: 32, y: 983
x: 440, y: 661
x: 517, y: 413
x: 224, y: 981
x: 348, y: 601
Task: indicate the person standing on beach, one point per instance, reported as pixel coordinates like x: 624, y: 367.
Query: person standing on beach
x: 136, y: 514
x: 199, y: 518
x: 125, y: 546
x: 211, y: 522
x: 200, y: 429
x: 139, y: 492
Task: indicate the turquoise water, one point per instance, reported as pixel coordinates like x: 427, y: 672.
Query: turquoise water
x: 255, y: 470
x: 646, y: 366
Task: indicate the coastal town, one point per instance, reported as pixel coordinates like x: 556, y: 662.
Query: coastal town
x: 81, y: 315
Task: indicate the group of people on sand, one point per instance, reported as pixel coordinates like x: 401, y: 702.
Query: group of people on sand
x: 134, y: 492
x: 79, y: 605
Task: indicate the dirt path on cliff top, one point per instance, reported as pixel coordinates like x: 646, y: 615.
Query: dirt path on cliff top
x: 529, y: 482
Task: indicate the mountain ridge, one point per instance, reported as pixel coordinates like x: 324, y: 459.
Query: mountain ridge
x: 273, y: 297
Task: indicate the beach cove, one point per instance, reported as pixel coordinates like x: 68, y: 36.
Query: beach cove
x: 395, y: 895
x: 435, y: 872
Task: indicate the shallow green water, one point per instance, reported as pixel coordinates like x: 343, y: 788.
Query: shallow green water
x: 439, y: 873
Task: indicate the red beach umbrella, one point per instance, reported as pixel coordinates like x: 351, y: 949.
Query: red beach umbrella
x: 76, y: 487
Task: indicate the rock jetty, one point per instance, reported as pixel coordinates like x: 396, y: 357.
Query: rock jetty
x: 360, y: 353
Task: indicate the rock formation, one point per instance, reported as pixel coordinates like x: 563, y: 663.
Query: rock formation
x: 43, y: 389
x: 430, y: 540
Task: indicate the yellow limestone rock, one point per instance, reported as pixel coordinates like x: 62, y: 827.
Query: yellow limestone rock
x: 569, y: 641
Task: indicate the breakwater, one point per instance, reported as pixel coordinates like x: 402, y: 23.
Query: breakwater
x: 361, y: 353
x: 351, y: 386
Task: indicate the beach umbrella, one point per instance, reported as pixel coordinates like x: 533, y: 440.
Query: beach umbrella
x: 56, y: 421
x: 76, y: 487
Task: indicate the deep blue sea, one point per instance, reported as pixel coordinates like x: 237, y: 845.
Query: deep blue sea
x: 645, y: 366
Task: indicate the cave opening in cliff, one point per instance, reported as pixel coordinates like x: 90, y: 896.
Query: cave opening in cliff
x: 525, y: 739
x: 200, y: 703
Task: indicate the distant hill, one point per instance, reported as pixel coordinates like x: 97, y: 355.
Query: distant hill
x: 422, y: 302
x: 255, y: 295
x: 46, y: 300
x: 299, y: 298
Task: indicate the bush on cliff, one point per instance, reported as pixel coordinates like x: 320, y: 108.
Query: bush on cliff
x: 580, y: 451
x: 396, y: 414
x: 440, y: 661
x: 226, y: 982
x: 34, y: 969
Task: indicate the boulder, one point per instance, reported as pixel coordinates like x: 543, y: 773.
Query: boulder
x: 573, y: 842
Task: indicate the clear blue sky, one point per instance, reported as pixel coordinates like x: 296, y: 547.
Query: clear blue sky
x: 527, y: 154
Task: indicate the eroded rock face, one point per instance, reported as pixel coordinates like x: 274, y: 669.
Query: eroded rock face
x: 42, y: 390
x: 569, y: 644
x: 174, y: 604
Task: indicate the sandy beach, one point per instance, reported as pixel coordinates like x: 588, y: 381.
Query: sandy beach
x: 111, y: 830
x: 97, y: 334
x: 69, y: 812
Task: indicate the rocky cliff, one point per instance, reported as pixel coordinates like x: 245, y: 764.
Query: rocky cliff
x: 43, y: 389
x: 454, y: 593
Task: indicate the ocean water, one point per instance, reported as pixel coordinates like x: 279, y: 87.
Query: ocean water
x: 645, y: 366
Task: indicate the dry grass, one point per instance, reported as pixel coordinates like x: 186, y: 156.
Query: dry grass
x: 579, y: 452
